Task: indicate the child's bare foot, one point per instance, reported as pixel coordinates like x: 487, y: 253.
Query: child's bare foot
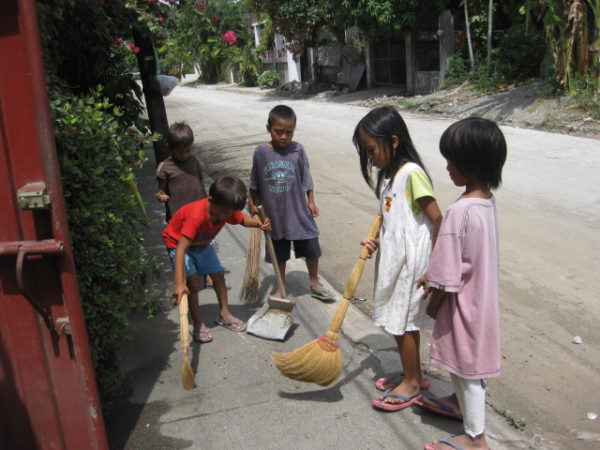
x: 462, y: 441
x: 399, y: 398
x: 406, y: 390
x: 392, y: 381
x: 318, y: 291
x: 230, y: 322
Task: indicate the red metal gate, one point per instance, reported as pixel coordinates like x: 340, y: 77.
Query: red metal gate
x: 48, y: 396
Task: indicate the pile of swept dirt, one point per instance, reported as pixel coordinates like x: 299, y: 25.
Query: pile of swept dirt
x: 523, y: 106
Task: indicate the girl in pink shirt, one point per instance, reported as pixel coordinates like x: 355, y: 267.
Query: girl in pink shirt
x: 462, y: 276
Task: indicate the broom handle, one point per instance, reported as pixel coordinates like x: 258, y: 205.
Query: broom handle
x: 274, y: 261
x: 183, y: 322
x: 352, y: 283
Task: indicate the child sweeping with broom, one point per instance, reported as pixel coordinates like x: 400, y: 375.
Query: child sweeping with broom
x: 188, y: 237
x: 463, y: 275
x: 281, y: 181
x: 411, y: 220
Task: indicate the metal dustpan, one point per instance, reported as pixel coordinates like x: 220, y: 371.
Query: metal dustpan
x: 274, y: 319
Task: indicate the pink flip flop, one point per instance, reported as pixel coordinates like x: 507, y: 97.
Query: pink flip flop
x: 382, y: 403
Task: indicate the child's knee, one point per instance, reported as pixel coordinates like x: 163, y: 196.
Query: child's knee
x: 193, y: 283
x: 217, y: 278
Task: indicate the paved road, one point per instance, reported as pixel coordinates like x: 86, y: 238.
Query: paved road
x: 548, y: 209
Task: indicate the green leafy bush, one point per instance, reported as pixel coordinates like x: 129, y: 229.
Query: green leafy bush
x: 458, y: 71
x: 97, y: 157
x: 268, y: 79
x: 520, y: 54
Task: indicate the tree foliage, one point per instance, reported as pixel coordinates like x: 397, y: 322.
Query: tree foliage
x: 301, y: 21
x: 568, y: 36
x: 95, y: 103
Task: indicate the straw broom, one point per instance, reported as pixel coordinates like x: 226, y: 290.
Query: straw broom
x: 320, y: 361
x: 187, y: 374
x: 249, y: 292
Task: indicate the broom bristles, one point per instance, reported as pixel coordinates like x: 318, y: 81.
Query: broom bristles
x: 249, y: 292
x: 319, y: 361
x: 187, y: 374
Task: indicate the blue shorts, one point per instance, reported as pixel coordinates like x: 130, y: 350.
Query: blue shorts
x: 200, y: 259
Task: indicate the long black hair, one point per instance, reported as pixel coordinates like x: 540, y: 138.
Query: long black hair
x: 382, y: 124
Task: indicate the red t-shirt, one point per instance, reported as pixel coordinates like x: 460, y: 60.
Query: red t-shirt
x: 192, y: 221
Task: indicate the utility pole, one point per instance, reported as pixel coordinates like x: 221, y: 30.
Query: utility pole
x: 155, y: 104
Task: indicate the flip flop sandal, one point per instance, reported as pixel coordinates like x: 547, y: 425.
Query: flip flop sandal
x: 437, y: 406
x: 395, y: 379
x: 382, y: 403
x: 234, y: 325
x: 202, y: 336
x: 323, y: 294
x: 447, y: 441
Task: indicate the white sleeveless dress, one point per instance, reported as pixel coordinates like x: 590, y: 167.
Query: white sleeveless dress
x: 405, y: 247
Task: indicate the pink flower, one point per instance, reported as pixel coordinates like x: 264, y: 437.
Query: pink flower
x: 200, y: 6
x: 136, y: 50
x: 215, y: 18
x: 161, y: 19
x: 131, y: 44
x: 116, y: 41
x: 229, y: 37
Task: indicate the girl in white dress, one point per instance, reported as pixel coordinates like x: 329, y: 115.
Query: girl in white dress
x: 411, y: 220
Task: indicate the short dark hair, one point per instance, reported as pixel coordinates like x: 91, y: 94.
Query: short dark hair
x: 281, y: 112
x: 477, y: 148
x: 179, y: 135
x: 229, y: 192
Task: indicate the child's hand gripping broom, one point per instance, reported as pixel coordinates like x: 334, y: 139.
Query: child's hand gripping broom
x: 320, y: 361
x: 187, y: 374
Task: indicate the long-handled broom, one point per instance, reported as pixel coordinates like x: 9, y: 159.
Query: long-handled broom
x: 187, y: 374
x: 249, y: 292
x: 320, y: 361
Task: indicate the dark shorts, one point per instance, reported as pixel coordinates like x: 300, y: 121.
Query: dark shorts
x: 304, y: 248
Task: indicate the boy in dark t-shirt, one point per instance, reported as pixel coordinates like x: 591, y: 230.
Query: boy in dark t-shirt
x: 180, y: 179
x: 179, y: 176
x: 188, y: 237
x: 280, y: 179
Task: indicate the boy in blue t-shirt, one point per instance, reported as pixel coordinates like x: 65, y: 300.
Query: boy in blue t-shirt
x: 280, y: 180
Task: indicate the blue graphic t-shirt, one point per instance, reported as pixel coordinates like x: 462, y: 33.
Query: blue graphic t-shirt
x: 282, y: 178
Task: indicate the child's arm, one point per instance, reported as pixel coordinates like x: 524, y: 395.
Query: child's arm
x: 161, y: 195
x: 253, y: 202
x: 179, y: 285
x: 437, y: 297
x: 255, y: 222
x: 311, y: 203
x: 433, y: 213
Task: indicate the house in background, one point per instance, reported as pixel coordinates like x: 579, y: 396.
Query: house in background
x: 415, y: 62
x: 279, y: 59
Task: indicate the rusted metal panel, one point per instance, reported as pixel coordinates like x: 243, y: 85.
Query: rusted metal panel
x: 48, y: 396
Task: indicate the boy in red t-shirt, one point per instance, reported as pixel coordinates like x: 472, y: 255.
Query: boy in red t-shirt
x: 188, y: 238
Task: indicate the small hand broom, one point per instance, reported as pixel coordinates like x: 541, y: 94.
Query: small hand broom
x: 249, y: 292
x: 187, y: 374
x: 320, y: 361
